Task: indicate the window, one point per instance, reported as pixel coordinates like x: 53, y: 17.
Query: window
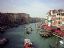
x: 59, y: 22
x: 58, y: 14
x: 62, y: 14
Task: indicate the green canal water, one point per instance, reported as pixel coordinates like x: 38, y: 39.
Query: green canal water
x: 17, y: 35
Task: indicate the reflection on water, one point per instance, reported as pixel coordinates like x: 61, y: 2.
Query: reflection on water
x: 38, y: 41
x: 17, y: 35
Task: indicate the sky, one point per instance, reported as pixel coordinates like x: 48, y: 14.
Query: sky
x: 36, y: 8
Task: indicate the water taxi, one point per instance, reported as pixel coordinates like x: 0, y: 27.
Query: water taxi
x: 27, y: 43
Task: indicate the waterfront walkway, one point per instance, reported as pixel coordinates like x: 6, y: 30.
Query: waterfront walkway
x: 58, y: 36
x: 57, y: 32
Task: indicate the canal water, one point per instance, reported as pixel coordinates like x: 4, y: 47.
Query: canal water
x: 17, y: 35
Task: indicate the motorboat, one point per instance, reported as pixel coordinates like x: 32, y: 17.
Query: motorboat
x: 27, y: 43
x: 61, y: 42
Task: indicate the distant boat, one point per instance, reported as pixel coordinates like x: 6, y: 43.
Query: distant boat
x: 61, y: 42
x: 28, y: 32
x: 27, y: 43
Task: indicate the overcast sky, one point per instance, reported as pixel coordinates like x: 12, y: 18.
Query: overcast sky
x: 36, y: 8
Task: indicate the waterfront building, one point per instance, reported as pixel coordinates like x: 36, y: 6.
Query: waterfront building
x: 55, y: 18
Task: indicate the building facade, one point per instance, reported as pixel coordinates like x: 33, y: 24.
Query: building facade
x: 55, y: 18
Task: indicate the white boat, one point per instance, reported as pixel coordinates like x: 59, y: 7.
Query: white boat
x: 61, y: 42
x: 27, y: 43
